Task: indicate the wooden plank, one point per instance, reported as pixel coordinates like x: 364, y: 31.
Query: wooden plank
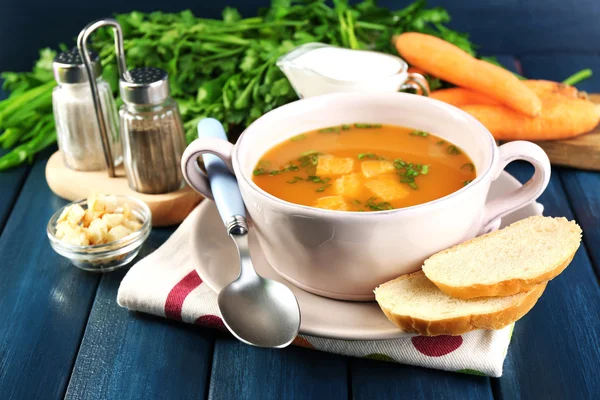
x: 383, y: 380
x: 44, y: 300
x: 242, y: 371
x: 583, y: 192
x: 126, y: 355
x: 556, y: 347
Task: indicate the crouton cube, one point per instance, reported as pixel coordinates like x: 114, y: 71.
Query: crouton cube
x: 78, y: 238
x: 132, y: 225
x: 118, y: 232
x: 348, y: 185
x: 330, y: 165
x: 98, y: 231
x: 113, y: 220
x: 89, y: 216
x: 76, y: 213
x: 65, y: 229
x: 95, y: 202
x: 373, y: 168
x: 332, y: 203
x: 388, y: 188
x: 110, y: 203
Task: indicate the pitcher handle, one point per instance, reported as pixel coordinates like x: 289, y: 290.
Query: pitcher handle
x: 418, y: 83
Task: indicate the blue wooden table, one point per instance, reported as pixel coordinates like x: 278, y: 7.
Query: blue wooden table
x: 62, y: 335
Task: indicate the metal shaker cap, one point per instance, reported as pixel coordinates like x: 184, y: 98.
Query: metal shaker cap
x: 144, y: 86
x: 68, y: 67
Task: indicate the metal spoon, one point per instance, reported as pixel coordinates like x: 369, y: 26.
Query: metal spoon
x: 257, y: 311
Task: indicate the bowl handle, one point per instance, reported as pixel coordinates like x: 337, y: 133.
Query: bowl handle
x: 529, y: 192
x: 207, y: 144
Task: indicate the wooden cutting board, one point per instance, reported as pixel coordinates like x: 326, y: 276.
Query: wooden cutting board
x: 582, y: 152
x: 167, y: 209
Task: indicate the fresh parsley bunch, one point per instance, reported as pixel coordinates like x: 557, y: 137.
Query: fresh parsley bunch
x: 220, y: 68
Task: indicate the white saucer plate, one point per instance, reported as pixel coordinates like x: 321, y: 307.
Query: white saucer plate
x: 217, y: 264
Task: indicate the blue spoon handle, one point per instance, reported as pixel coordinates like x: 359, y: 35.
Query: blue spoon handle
x: 223, y: 184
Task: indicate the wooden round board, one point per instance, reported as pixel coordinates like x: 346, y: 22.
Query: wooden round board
x: 167, y: 209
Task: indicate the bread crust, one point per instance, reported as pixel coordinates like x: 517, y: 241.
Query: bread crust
x: 504, y: 288
x: 459, y: 325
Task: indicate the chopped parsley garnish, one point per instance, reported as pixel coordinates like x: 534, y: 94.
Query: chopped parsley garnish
x: 346, y: 127
x: 465, y: 183
x: 440, y: 142
x: 330, y: 129
x: 322, y: 188
x: 377, y: 206
x: 367, y: 126
x: 295, y: 179
x: 317, y: 179
x: 452, y: 149
x: 408, y: 172
x: 370, y: 156
x: 289, y: 168
x: 468, y: 166
x: 309, y: 158
x: 262, y: 171
x: 259, y: 171
x: 419, y: 133
x: 356, y: 201
x: 299, y: 137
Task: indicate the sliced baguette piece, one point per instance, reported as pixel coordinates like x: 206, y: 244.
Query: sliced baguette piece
x: 414, y: 304
x: 508, y: 261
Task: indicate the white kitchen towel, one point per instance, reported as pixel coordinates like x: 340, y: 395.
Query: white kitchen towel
x: 165, y: 283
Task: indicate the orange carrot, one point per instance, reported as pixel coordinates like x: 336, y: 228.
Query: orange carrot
x: 450, y: 63
x: 461, y: 97
x: 564, y: 116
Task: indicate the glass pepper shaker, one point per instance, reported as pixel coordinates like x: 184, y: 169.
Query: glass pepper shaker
x: 150, y: 123
x: 78, y: 135
x: 153, y: 136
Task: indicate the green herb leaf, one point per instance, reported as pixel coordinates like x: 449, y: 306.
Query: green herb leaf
x: 322, y: 188
x: 367, y: 126
x: 289, y: 168
x: 259, y: 171
x: 297, y: 138
x: 453, y: 150
x: 419, y: 133
x: 370, y: 156
x: 331, y: 129
x: 440, y: 142
x: 377, y: 206
x: 295, y: 179
x: 468, y: 167
x: 465, y: 183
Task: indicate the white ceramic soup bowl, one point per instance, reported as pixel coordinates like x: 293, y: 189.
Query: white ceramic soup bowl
x: 345, y: 255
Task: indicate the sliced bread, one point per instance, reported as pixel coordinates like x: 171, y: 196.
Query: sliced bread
x: 511, y: 260
x: 414, y: 304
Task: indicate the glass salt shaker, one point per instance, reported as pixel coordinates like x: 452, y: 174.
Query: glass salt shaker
x: 153, y: 136
x: 79, y: 138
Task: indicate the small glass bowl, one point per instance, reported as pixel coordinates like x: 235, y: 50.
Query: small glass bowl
x: 110, y: 256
